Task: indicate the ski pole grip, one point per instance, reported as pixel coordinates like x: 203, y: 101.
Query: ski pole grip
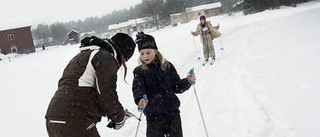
x: 192, y: 72
x: 145, y: 97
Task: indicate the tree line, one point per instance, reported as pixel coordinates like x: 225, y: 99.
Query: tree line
x: 158, y: 10
x: 254, y: 6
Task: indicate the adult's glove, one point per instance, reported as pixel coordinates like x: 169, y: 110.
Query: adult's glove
x: 118, y: 125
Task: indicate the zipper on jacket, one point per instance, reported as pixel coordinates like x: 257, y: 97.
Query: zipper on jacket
x: 57, y: 121
x: 90, y: 126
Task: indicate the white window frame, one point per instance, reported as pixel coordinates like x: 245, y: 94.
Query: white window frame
x: 11, y: 37
x: 13, y: 48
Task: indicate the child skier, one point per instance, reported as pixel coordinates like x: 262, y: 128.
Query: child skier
x: 207, y: 34
x: 158, y: 79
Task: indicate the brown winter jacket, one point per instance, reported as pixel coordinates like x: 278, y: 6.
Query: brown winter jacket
x: 214, y: 31
x: 87, y: 89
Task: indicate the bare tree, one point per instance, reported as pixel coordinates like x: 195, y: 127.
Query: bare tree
x: 59, y: 32
x: 42, y: 31
x: 154, y: 9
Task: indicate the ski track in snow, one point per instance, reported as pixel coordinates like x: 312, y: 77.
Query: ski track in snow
x: 245, y: 103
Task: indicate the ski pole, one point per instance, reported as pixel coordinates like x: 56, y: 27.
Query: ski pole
x: 142, y: 109
x: 221, y: 44
x: 195, y: 92
x: 195, y: 46
x: 221, y: 40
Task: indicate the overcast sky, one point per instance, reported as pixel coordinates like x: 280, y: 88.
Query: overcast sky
x: 49, y: 11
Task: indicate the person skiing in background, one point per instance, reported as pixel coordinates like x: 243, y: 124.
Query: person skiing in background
x: 158, y: 79
x: 87, y: 88
x: 207, y: 33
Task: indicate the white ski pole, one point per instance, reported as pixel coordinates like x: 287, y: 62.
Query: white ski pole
x: 221, y: 40
x: 195, y: 46
x: 221, y: 44
x: 142, y: 109
x: 195, y: 92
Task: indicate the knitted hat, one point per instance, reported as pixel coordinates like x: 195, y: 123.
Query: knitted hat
x: 125, y: 44
x: 122, y: 43
x: 145, y: 41
x: 202, y: 17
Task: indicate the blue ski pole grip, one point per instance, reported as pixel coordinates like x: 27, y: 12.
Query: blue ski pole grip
x: 145, y: 97
x: 192, y: 72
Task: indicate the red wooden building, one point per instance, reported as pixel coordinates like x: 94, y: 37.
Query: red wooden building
x: 16, y: 38
x: 73, y: 37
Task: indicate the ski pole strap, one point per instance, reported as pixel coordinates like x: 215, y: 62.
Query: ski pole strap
x: 192, y: 72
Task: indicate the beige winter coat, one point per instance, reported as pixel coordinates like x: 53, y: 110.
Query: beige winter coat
x: 214, y: 31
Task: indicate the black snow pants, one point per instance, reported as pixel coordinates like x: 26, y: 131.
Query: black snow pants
x: 71, y: 128
x: 167, y: 127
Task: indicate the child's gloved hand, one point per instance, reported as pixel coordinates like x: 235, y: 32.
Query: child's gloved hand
x: 191, y: 78
x: 142, y: 104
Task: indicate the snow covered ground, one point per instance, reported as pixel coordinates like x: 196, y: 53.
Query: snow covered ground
x: 264, y: 84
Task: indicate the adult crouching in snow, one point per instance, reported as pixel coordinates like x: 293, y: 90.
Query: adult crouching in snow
x: 158, y: 79
x: 87, y: 88
x: 207, y: 33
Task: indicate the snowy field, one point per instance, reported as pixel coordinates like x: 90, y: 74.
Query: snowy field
x: 265, y: 83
